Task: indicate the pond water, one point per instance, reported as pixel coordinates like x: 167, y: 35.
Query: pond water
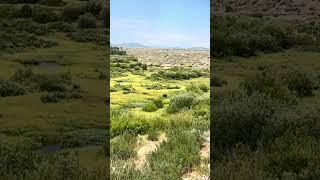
x: 48, y: 65
x: 50, y: 149
x: 43, y: 64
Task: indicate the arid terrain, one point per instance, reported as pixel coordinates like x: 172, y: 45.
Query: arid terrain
x: 167, y: 58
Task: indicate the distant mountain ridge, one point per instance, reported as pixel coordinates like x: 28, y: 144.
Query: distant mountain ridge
x: 139, y: 45
x: 130, y: 45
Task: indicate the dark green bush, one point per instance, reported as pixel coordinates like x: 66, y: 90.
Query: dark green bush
x: 246, y: 36
x: 178, y: 74
x: 117, y: 51
x: 89, y: 35
x: 280, y: 83
x: 144, y: 66
x: 129, y: 123
x: 14, y: 41
x: 11, y: 88
x: 87, y: 21
x: 241, y: 120
x: 180, y: 102
x: 158, y: 103
x: 298, y: 82
x: 52, y: 97
x: 72, y: 11
x: 94, y: 7
x: 44, y: 15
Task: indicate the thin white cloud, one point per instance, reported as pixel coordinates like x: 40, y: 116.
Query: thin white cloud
x: 136, y: 30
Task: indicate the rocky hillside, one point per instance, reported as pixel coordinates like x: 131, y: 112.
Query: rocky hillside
x: 167, y: 58
x: 269, y: 7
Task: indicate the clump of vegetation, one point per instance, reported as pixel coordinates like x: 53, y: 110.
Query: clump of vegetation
x: 19, y: 161
x: 117, y: 51
x: 98, y: 36
x: 44, y: 15
x: 129, y: 123
x: 180, y: 102
x: 16, y: 41
x: 178, y: 74
x: 122, y: 147
x: 153, y: 134
x: 72, y: 11
x: 11, y: 88
x: 61, y: 26
x: 200, y: 88
x: 87, y: 21
x: 158, y: 103
x: 150, y: 107
x: 280, y: 83
x: 58, y: 86
x: 246, y: 36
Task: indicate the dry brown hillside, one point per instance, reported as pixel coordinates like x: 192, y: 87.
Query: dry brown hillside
x: 167, y: 58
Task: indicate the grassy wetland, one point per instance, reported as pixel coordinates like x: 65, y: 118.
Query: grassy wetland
x: 266, y: 115
x: 53, y: 63
x: 159, y: 119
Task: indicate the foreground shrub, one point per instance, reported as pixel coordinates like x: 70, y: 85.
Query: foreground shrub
x: 298, y: 82
x: 279, y: 83
x: 184, y: 157
x: 241, y: 120
x: 122, y: 146
x: 180, y: 102
x: 129, y: 123
x: 10, y: 88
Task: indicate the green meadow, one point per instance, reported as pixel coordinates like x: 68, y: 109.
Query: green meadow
x: 52, y: 91
x: 159, y: 120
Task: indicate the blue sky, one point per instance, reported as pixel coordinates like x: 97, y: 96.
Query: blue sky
x: 161, y: 23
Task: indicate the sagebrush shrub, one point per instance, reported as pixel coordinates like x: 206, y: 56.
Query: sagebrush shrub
x: 11, y: 88
x: 180, y: 102
x: 241, y: 120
